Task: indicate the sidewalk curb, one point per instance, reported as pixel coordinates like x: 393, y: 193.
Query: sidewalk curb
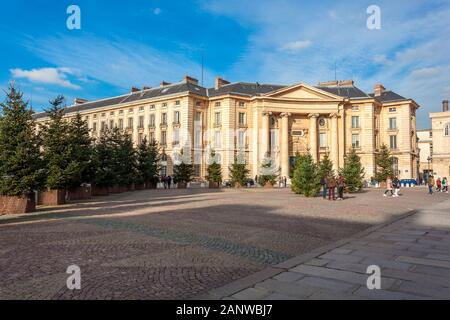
x: 271, y: 271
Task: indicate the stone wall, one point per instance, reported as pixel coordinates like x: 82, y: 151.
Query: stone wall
x: 17, y: 205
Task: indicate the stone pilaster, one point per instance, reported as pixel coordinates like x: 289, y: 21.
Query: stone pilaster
x: 313, y: 146
x: 334, y: 141
x: 284, y: 144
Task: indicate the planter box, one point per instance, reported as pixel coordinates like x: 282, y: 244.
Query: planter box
x: 115, y: 189
x: 52, y: 197
x: 100, y: 191
x: 139, y: 186
x: 80, y: 193
x: 268, y: 185
x: 182, y: 185
x: 214, y: 185
x: 17, y: 205
x: 150, y: 185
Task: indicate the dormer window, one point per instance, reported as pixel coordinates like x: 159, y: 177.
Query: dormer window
x: 392, y: 110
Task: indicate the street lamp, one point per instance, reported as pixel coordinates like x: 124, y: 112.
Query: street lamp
x: 429, y: 164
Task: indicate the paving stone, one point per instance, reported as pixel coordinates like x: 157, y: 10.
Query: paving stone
x: 345, y: 276
x: 341, y: 251
x: 425, y: 290
x: 289, y: 276
x: 328, y: 284
x: 318, y: 262
x: 296, y: 290
x: 386, y: 295
x: 278, y: 296
x: 341, y: 257
x: 427, y: 262
x: 252, y: 294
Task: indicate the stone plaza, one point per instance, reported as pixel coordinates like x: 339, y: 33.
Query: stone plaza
x: 229, y: 244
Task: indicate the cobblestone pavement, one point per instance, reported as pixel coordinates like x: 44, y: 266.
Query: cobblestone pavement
x: 180, y: 244
x: 413, y: 254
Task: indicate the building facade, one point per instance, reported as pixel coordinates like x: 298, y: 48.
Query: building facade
x: 252, y: 121
x: 440, y: 122
x: 425, y: 144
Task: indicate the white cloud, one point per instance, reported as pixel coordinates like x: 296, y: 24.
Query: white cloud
x: 296, y: 46
x: 381, y: 59
x: 157, y: 11
x: 54, y: 76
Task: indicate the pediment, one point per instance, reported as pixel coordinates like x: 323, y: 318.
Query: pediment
x: 303, y: 92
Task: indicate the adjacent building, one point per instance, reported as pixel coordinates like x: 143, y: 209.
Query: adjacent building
x: 425, y: 145
x: 253, y: 121
x: 440, y: 122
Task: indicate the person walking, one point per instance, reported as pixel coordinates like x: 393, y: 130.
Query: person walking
x: 438, y: 185
x: 323, y: 183
x: 331, y: 184
x: 389, y: 187
x: 430, y: 185
x: 285, y: 182
x: 445, y: 185
x: 396, y: 186
x: 169, y: 182
x: 341, y: 187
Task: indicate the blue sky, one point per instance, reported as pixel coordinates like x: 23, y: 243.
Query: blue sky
x: 142, y: 42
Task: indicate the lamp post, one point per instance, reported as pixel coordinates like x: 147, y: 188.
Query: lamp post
x: 430, y: 159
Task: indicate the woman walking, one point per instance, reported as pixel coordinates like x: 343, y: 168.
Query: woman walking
x: 389, y: 187
x: 341, y: 187
x: 331, y: 184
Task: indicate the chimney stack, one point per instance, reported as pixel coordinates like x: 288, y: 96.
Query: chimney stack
x: 445, y: 105
x: 188, y: 79
x: 135, y: 89
x: 164, y: 84
x: 220, y: 83
x: 146, y: 88
x: 379, y: 89
x: 78, y: 101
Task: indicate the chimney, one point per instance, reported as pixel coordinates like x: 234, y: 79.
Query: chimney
x: 188, y: 79
x: 378, y: 90
x: 346, y: 83
x: 445, y: 105
x: 163, y: 84
x: 135, y: 89
x: 220, y: 83
x: 78, y: 101
x: 146, y: 88
x: 328, y: 84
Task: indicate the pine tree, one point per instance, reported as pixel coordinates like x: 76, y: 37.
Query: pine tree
x: 268, y: 172
x: 80, y: 151
x: 239, y: 173
x: 325, y: 167
x: 103, y: 161
x: 383, y: 164
x: 306, y: 180
x: 124, y: 157
x: 21, y: 167
x: 214, y: 169
x: 353, y: 172
x: 147, y: 158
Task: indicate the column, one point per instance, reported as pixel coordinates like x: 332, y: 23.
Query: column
x: 265, y: 134
x: 334, y: 141
x: 313, y: 135
x: 284, y: 143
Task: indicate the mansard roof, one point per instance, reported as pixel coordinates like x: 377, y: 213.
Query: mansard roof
x: 244, y: 88
x: 388, y: 96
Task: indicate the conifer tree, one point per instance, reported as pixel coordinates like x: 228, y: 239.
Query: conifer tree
x: 147, y: 158
x: 239, y: 173
x: 124, y: 157
x: 103, y: 165
x: 21, y: 166
x: 353, y: 172
x: 268, y: 172
x: 306, y: 180
x: 325, y: 167
x: 214, y: 169
x: 383, y: 164
x: 183, y: 172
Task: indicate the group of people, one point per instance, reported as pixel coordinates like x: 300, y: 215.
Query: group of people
x: 392, y: 187
x: 329, y: 185
x: 438, y: 185
x: 166, y: 181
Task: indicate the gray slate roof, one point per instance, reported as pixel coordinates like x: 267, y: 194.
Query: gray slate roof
x: 345, y: 92
x: 243, y: 88
x: 388, y: 96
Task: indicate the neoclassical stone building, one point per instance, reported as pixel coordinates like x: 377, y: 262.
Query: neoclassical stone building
x: 261, y: 120
x: 441, y: 141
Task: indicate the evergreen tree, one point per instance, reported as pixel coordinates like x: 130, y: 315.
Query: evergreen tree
x: 306, y: 180
x: 268, y: 172
x: 147, y: 158
x: 214, y: 169
x: 103, y: 161
x: 124, y: 157
x: 325, y: 167
x: 183, y: 172
x: 353, y: 172
x: 239, y: 173
x: 383, y: 164
x: 21, y: 167
x: 80, y: 152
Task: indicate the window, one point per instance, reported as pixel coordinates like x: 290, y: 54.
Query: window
x: 218, y: 104
x: 355, y: 122
x: 273, y: 140
x: 241, y: 140
x: 164, y: 119
x: 151, y: 136
x: 121, y: 124
x: 94, y: 127
x: 177, y: 103
x: 447, y: 130
x: 242, y: 119
x: 103, y: 115
x: 120, y: 111
x: 141, y: 122
x: 130, y: 123
x: 355, y: 108
x: 198, y: 103
x: 217, y: 118
x: 111, y: 113
x: 176, y: 117
x: 176, y: 137
x: 141, y: 109
x: 322, y: 122
x: 355, y: 141
x: 152, y: 122
x: 163, y: 138
x: 198, y: 139
x: 152, y: 107
x: 392, y: 123
x: 322, y: 140
x: 164, y: 105
x: 395, y: 166
x: 217, y: 139
x: 111, y: 124
x: 130, y: 110
x: 242, y: 104
x: 392, y: 109
x: 393, y: 142
x: 198, y: 116
x: 140, y: 138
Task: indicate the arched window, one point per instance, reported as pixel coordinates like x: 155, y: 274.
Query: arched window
x: 164, y: 158
x: 447, y: 130
x: 395, y: 169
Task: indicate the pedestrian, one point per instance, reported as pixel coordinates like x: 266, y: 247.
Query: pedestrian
x: 341, y: 187
x: 396, y: 185
x: 438, y: 185
x: 445, y: 185
x: 331, y: 184
x: 169, y: 182
x: 389, y: 187
x: 285, y: 182
x: 323, y: 183
x: 430, y: 185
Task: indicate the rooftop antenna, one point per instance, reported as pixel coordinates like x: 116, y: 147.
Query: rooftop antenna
x: 203, y: 65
